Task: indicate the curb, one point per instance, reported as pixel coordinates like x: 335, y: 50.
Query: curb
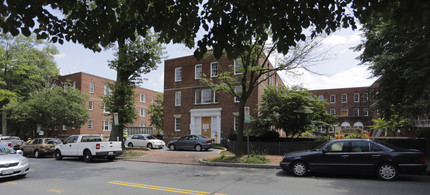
x: 243, y: 165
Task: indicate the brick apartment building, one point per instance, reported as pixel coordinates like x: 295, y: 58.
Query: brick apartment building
x: 351, y: 105
x: 99, y: 122
x: 190, y: 107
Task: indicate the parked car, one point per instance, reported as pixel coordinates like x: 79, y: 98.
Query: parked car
x: 191, y: 142
x: 11, y: 163
x: 356, y: 156
x: 40, y: 147
x: 88, y: 147
x: 141, y: 140
x: 14, y: 141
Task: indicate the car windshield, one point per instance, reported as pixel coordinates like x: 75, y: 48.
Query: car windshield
x: 6, y: 150
x: 151, y: 137
x: 393, y: 147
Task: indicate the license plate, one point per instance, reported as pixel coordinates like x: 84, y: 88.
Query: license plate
x: 7, y: 171
x: 110, y: 153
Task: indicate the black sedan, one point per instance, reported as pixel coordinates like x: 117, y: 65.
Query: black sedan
x: 356, y: 156
x: 191, y: 142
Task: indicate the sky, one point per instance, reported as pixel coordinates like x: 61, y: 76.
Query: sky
x: 340, y: 69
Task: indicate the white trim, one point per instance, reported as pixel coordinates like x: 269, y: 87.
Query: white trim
x: 195, y: 123
x: 198, y: 76
x: 178, y: 78
x: 356, y: 97
x: 346, y: 98
x: 217, y: 69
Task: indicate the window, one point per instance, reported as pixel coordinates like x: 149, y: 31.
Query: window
x: 365, y: 111
x: 142, y: 112
x: 237, y: 66
x: 64, y: 128
x: 356, y: 97
x: 152, y: 99
x: 91, y: 87
x: 106, y: 125
x: 365, y: 97
x: 196, y: 96
x: 142, y: 125
x: 107, y: 91
x: 74, y: 84
x: 236, y: 122
x: 143, y: 97
x: 333, y: 111
x: 321, y: 129
x: 331, y: 129
x: 356, y: 112
x: 338, y: 147
x: 178, y: 74
x: 105, y: 108
x: 321, y: 97
x: 177, y: 123
x: 198, y: 71
x: 344, y: 98
x: 214, y: 69
x: 216, y: 96
x: 332, y: 99
x: 344, y: 112
x: 360, y: 146
x: 91, y: 105
x: 90, y: 124
x: 236, y: 90
x: 178, y: 98
x: 206, y: 96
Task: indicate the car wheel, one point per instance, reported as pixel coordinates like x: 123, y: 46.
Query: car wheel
x: 172, y: 147
x: 387, y: 171
x: 58, y: 155
x: 36, y: 154
x: 130, y: 145
x: 111, y: 158
x: 88, y: 157
x: 299, y: 169
x: 149, y: 146
x: 198, y: 147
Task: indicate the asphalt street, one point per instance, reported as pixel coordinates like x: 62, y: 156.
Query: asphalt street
x: 72, y: 176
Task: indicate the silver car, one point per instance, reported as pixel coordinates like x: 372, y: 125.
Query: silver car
x: 11, y: 163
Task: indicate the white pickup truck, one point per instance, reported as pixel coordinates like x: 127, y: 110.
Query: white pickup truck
x: 87, y: 147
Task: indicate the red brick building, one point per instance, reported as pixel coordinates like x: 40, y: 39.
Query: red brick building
x: 100, y: 122
x: 351, y: 105
x: 190, y: 107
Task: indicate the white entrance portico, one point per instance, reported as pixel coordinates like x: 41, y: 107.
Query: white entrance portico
x: 210, y: 125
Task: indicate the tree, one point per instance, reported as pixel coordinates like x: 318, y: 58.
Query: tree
x: 156, y: 112
x: 51, y: 107
x: 25, y: 65
x: 392, y: 124
x: 293, y: 110
x: 398, y: 48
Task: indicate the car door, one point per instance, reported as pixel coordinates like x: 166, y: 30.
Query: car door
x: 334, y: 158
x: 364, y: 156
x: 70, y: 148
x: 182, y: 142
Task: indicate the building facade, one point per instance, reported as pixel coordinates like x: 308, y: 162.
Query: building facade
x: 100, y: 121
x: 351, y: 105
x: 191, y: 107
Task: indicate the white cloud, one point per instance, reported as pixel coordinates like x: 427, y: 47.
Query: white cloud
x: 59, y: 56
x: 334, y: 40
x: 357, y: 76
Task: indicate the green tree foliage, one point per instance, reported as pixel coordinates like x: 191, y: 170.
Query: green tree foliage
x: 133, y: 58
x: 398, y: 48
x: 392, y: 124
x: 52, y: 107
x: 156, y: 112
x: 293, y: 110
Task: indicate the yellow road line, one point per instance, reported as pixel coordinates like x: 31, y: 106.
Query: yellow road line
x: 56, y: 191
x: 183, y: 191
x: 11, y: 182
x: 31, y: 170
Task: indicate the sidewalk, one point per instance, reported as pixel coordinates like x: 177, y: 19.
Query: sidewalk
x: 195, y: 158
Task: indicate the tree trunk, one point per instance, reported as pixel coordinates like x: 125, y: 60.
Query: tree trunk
x: 4, y: 122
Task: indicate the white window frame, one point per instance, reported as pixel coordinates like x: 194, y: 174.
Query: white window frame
x: 91, y: 105
x: 152, y: 99
x: 104, y: 108
x: 214, y: 73
x: 356, y: 97
x: 365, y: 112
x: 206, y: 96
x: 346, y: 98
x: 178, y: 74
x: 197, y: 97
x: 74, y: 84
x: 216, y: 97
x: 143, y: 97
x: 107, y: 91
x: 198, y: 69
x: 91, y: 87
x: 90, y: 124
x: 142, y: 112
x: 237, y: 67
x: 178, y: 98
x: 142, y: 125
x: 235, y: 122
x: 332, y: 99
x: 107, y: 126
x: 331, y: 129
x: 356, y: 112
x: 64, y: 128
x: 237, y: 89
x: 177, y: 125
x: 333, y: 111
x: 321, y: 97
x: 365, y: 97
